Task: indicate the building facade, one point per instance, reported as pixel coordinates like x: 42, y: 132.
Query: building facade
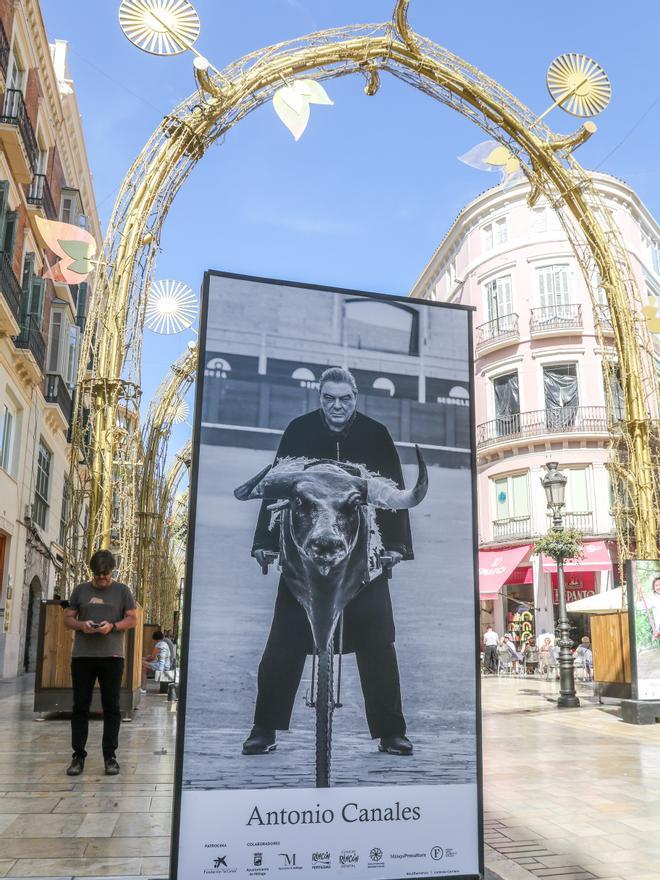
x: 44, y: 172
x: 540, y: 387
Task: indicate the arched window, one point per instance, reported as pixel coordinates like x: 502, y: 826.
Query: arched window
x: 306, y: 378
x: 381, y: 326
x: 218, y: 368
x: 382, y: 383
x: 459, y: 392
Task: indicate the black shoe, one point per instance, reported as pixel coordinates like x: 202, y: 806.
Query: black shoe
x: 111, y: 767
x: 260, y: 741
x: 395, y: 745
x: 76, y: 766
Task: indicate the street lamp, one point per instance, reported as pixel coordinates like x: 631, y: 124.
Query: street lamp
x: 554, y: 483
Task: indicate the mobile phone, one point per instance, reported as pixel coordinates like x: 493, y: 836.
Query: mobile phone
x: 96, y: 625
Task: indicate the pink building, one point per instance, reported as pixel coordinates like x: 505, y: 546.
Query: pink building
x: 540, y: 387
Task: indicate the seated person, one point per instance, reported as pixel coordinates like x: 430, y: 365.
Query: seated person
x: 158, y: 660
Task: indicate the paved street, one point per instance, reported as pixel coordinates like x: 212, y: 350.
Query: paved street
x: 569, y: 795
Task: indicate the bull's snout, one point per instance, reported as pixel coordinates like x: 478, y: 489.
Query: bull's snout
x: 326, y: 547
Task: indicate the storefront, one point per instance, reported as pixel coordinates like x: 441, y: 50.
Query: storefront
x: 506, y: 587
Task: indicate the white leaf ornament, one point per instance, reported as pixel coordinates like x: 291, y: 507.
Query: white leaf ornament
x: 291, y: 103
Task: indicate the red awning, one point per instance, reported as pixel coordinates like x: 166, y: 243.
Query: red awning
x: 596, y: 558
x: 495, y: 566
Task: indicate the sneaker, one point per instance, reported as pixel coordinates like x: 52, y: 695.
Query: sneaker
x: 260, y: 741
x: 76, y: 766
x: 395, y: 745
x: 111, y: 767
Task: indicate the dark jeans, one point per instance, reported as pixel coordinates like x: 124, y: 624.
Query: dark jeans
x: 84, y: 672
x: 281, y: 669
x: 490, y: 658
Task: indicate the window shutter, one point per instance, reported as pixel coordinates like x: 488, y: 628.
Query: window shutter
x: 36, y: 300
x: 501, y: 499
x: 4, y: 204
x: 54, y: 342
x: 72, y: 359
x: 9, y: 233
x: 519, y: 495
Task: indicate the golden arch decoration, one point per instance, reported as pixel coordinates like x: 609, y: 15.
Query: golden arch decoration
x: 114, y: 328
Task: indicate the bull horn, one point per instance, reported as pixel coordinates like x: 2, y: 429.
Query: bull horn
x: 383, y: 493
x: 247, y: 491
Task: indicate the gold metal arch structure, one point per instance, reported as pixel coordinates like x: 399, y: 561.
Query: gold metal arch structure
x: 151, y: 540
x: 114, y: 331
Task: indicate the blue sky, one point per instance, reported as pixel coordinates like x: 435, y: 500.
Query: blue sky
x: 364, y: 197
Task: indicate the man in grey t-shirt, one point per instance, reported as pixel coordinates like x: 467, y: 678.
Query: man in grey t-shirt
x: 99, y: 611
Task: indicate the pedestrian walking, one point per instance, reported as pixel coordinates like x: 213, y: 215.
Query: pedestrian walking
x: 491, y: 641
x: 545, y: 657
x: 505, y: 657
x: 100, y: 611
x: 585, y: 654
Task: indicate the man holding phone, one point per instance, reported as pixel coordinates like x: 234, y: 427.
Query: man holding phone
x: 100, y: 611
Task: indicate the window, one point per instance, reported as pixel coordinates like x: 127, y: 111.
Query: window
x: 544, y: 219
x: 71, y: 207
x: 33, y: 292
x: 494, y: 234
x: 63, y: 339
x: 382, y: 383
x: 6, y: 438
x: 506, y: 393
x: 614, y: 391
x: 552, y: 286
x: 8, y: 221
x: 42, y: 489
x: 512, y: 497
x: 306, y: 378
x: 560, y: 386
x: 381, y: 326
x: 499, y: 298
x: 651, y: 250
x: 64, y: 512
x: 577, y: 491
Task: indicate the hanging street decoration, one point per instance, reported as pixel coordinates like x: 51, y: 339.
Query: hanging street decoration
x: 291, y: 103
x: 171, y: 307
x: 578, y: 85
x: 75, y: 246
x: 180, y: 411
x: 491, y: 156
x: 651, y: 314
x: 160, y: 27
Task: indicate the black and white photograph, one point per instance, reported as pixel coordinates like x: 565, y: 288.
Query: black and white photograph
x: 332, y: 594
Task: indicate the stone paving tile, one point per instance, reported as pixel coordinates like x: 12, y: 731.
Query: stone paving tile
x: 98, y: 825
x: 128, y: 846
x: 63, y: 867
x: 102, y: 804
x: 5, y: 866
x: 38, y: 848
x: 48, y: 825
x: 17, y: 804
x: 155, y: 867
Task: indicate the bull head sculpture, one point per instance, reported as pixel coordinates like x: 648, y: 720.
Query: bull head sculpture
x: 324, y: 534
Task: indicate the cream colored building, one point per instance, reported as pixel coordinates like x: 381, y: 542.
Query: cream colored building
x: 44, y: 172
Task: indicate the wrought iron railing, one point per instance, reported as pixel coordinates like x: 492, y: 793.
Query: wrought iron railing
x: 583, y: 521
x: 30, y: 338
x: 564, y: 316
x: 4, y: 51
x: 504, y: 327
x: 39, y: 194
x: 11, y: 289
x: 57, y: 391
x: 513, y: 527
x: 15, y: 113
x: 559, y: 420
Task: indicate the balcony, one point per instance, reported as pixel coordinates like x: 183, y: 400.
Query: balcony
x: 39, y: 196
x: 10, y: 298
x: 541, y: 423
x: 497, y: 333
x: 31, y: 348
x: 513, y: 528
x: 4, y: 56
x: 557, y: 320
x: 17, y: 136
x: 58, y: 397
x: 582, y: 521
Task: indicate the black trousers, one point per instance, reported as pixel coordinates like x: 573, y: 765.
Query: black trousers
x: 84, y: 672
x: 490, y: 658
x: 281, y: 669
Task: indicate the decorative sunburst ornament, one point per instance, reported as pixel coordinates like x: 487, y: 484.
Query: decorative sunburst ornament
x: 491, y: 156
x: 651, y: 314
x: 578, y: 85
x: 292, y: 102
x: 160, y: 27
x: 171, y: 307
x: 179, y: 411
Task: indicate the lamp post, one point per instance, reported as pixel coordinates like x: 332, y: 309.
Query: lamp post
x: 554, y: 483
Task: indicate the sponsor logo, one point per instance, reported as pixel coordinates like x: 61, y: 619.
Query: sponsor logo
x: 321, y: 859
x: 289, y: 862
x: 437, y: 852
x: 258, y: 859
x: 348, y: 858
x: 220, y: 862
x: 219, y: 865
x: 376, y: 856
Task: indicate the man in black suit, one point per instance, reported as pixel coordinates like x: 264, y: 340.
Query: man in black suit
x: 336, y: 431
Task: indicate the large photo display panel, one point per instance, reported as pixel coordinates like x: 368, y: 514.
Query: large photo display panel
x: 329, y: 717
x: 643, y: 580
